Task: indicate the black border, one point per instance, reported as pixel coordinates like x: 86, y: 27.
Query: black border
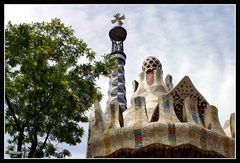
x: 120, y: 1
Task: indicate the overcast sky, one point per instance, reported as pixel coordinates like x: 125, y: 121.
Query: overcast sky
x: 194, y: 40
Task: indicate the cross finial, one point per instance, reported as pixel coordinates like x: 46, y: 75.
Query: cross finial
x: 118, y: 19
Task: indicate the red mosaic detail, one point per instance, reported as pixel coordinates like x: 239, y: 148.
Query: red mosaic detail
x: 138, y: 138
x: 171, y: 130
x: 172, y: 133
x: 150, y: 77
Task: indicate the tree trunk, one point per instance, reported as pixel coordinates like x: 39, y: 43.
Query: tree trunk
x: 32, y: 150
x: 20, y: 142
x: 33, y: 147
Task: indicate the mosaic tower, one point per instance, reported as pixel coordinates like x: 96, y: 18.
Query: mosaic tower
x: 117, y: 90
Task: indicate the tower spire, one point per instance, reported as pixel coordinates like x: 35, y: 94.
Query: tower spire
x: 117, y: 90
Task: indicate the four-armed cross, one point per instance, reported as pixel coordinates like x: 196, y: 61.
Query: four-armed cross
x: 118, y: 19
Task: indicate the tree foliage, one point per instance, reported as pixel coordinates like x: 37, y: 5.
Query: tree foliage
x: 47, y: 87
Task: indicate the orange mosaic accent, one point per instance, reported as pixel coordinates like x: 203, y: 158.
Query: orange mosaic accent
x: 168, y: 118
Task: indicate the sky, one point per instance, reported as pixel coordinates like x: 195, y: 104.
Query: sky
x: 194, y: 40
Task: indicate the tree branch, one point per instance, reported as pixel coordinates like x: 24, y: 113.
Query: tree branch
x: 13, y: 113
x: 45, y: 141
x: 43, y: 106
x: 41, y: 109
x: 30, y: 134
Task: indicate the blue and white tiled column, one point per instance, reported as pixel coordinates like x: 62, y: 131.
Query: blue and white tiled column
x: 117, y: 90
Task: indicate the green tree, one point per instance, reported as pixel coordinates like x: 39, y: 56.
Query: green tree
x: 47, y: 89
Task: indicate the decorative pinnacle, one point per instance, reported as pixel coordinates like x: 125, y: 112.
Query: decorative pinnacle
x: 118, y: 19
